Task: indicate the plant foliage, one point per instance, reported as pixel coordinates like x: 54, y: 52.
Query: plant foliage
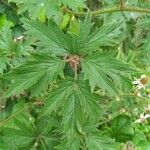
x: 70, y: 79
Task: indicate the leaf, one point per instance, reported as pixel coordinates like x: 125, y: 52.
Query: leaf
x: 144, y: 145
x: 51, y: 37
x: 106, y: 35
x: 46, y: 127
x: 20, y: 135
x: 104, y: 71
x: 99, y: 142
x: 122, y: 129
x: 6, y: 42
x: 3, y: 64
x: 85, y: 31
x: 51, y: 8
x: 35, y: 7
x: 35, y: 74
x: 75, y: 4
x: 76, y: 102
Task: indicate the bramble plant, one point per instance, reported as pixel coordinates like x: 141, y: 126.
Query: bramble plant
x: 70, y: 75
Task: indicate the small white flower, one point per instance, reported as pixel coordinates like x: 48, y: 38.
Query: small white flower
x: 141, y: 82
x: 42, y: 4
x: 142, y: 118
x: 19, y: 38
x: 139, y: 94
x: 30, y: 118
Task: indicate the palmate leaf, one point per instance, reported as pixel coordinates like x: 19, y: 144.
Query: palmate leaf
x: 35, y: 74
x: 76, y: 102
x: 104, y: 71
x: 51, y: 37
x: 53, y: 40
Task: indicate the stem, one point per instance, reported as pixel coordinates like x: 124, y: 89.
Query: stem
x: 75, y: 72
x: 43, y: 144
x: 112, y: 10
x: 121, y: 4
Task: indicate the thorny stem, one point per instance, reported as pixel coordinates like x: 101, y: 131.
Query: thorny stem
x: 111, y: 10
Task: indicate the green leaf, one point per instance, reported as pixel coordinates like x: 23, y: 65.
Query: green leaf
x: 35, y: 7
x: 21, y: 135
x: 122, y: 129
x: 99, y: 142
x: 51, y: 37
x: 36, y: 74
x: 6, y: 42
x: 75, y: 4
x: 104, y: 71
x: 3, y: 63
x: 50, y: 8
x: 144, y: 145
x: 106, y: 35
x: 85, y: 31
x: 76, y: 102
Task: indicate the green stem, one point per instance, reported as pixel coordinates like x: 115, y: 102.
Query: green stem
x: 112, y: 10
x: 121, y: 4
x: 75, y: 74
x: 43, y: 144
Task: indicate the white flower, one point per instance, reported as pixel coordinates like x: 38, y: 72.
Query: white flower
x: 138, y: 94
x: 142, y: 118
x: 141, y: 82
x: 19, y: 38
x: 30, y: 118
x: 42, y: 4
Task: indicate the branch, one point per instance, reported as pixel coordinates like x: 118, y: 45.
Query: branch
x: 111, y: 10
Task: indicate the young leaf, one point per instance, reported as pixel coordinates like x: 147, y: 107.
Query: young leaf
x: 38, y: 72
x: 104, y: 71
